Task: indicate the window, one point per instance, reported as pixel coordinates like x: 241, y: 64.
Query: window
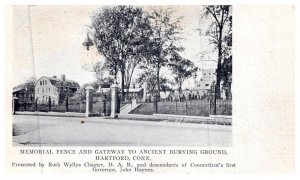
x: 40, y: 82
x: 38, y: 90
x: 42, y: 90
x: 46, y: 82
x: 49, y: 90
x: 206, y: 84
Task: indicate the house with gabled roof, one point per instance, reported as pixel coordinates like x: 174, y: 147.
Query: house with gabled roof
x: 49, y: 89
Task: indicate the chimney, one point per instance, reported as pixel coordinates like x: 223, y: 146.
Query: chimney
x: 63, y: 77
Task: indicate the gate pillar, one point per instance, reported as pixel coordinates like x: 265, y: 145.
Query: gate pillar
x: 87, y: 104
x: 114, y: 100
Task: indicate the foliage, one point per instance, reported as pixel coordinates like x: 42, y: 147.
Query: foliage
x: 182, y: 69
x: 164, y: 39
x: 120, y: 34
x: 149, y: 77
x: 220, y: 33
x: 29, y: 85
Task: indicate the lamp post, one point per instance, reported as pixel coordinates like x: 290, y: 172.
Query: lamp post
x: 114, y: 88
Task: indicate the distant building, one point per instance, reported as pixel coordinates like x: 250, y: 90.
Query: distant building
x: 23, y: 95
x: 202, y: 87
x: 50, y: 87
x: 207, y: 77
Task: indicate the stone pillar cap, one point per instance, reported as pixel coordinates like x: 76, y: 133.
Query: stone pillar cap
x: 89, y: 88
x: 114, y: 85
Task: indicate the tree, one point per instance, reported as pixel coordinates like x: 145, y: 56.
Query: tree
x: 182, y: 69
x: 29, y: 85
x: 104, y: 82
x: 163, y: 42
x: 149, y: 77
x: 120, y: 34
x: 220, y: 33
x: 63, y: 90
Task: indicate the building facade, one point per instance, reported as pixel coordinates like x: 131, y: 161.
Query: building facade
x: 50, y: 89
x: 207, y: 77
x: 23, y: 95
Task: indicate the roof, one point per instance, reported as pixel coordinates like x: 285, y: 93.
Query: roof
x: 18, y: 89
x: 58, y: 82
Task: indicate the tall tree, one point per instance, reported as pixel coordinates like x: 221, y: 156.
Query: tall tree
x: 182, y: 69
x: 164, y: 40
x: 120, y: 33
x: 29, y: 85
x: 220, y: 32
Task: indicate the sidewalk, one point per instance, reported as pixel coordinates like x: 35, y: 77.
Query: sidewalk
x: 57, y: 114
x: 218, y: 120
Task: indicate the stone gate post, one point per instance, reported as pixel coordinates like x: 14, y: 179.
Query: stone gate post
x: 87, y: 104
x: 114, y: 96
x: 14, y: 100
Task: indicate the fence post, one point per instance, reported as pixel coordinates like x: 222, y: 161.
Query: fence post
x: 14, y: 104
x: 213, y: 99
x: 49, y: 103
x: 36, y: 106
x: 155, y: 104
x: 80, y: 106
x: 67, y: 104
x: 176, y: 106
x: 104, y: 105
x: 186, y: 107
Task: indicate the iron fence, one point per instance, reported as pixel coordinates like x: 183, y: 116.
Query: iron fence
x: 200, y: 107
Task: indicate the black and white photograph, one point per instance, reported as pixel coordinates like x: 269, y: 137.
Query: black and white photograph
x: 149, y: 88
x: 122, y: 75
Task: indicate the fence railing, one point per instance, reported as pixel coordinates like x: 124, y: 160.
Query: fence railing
x: 102, y: 106
x: 188, y: 107
x: 97, y: 107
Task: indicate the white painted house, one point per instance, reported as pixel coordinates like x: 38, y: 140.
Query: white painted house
x: 49, y: 87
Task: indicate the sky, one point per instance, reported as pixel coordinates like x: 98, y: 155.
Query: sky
x: 47, y: 41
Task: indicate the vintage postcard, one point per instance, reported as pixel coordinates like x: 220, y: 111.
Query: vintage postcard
x: 150, y: 89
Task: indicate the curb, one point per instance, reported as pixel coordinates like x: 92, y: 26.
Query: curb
x: 56, y: 114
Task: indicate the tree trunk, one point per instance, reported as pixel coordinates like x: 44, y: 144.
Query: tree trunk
x: 158, y: 81
x: 123, y: 84
x: 218, y: 71
x: 115, y: 73
x: 180, y: 86
x: 157, y: 93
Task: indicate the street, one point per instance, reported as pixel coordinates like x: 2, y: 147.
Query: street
x: 96, y: 131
